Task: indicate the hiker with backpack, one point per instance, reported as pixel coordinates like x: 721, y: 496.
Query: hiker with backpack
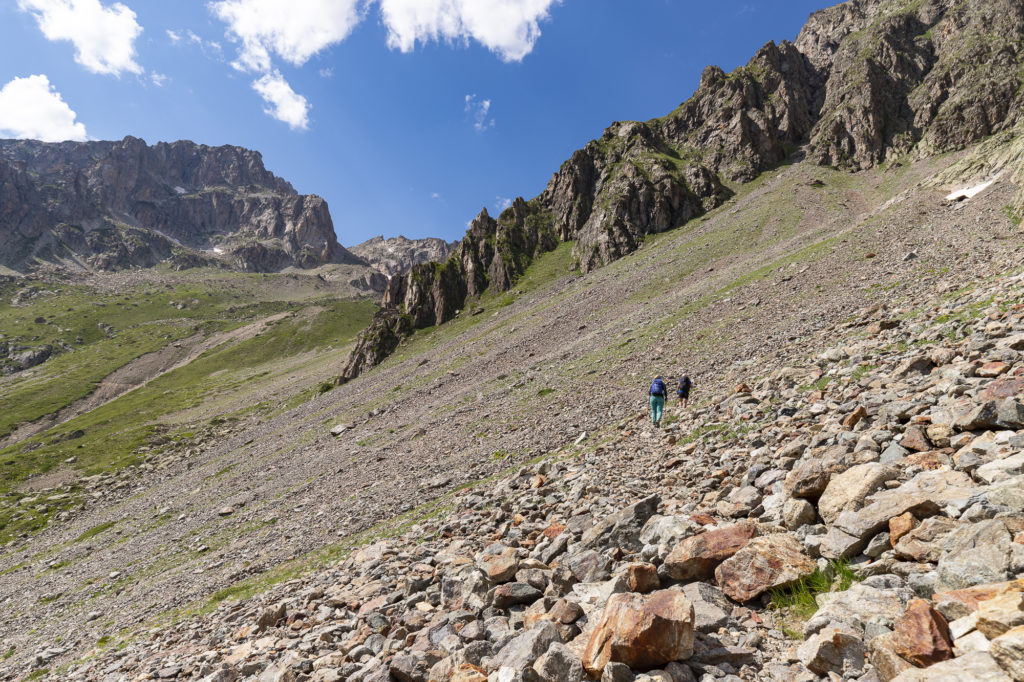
x: 658, y: 394
x: 683, y: 390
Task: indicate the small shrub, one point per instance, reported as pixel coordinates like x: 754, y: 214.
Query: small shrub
x: 324, y: 387
x: 545, y: 391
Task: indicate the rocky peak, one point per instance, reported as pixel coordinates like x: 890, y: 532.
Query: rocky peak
x: 117, y: 204
x: 396, y: 255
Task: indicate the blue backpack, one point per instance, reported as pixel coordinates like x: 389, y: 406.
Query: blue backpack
x: 658, y: 387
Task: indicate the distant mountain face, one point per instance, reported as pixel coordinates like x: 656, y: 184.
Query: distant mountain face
x: 865, y: 82
x: 112, y: 205
x: 398, y: 255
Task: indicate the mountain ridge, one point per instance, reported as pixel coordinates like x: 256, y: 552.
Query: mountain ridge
x: 864, y: 82
x: 117, y: 204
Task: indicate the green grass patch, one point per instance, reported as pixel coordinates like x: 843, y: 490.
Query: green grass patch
x: 545, y: 391
x: 95, y: 530
x: 799, y: 599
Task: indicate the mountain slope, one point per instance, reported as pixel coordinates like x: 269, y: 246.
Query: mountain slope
x: 762, y: 282
x: 865, y: 83
x: 113, y: 205
x: 159, y: 561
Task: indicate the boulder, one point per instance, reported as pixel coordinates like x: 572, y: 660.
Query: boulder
x: 976, y: 666
x: 921, y: 635
x: 847, y: 491
x: 559, y: 664
x: 837, y: 649
x: 924, y: 543
x: 623, y: 529
x: 975, y: 554
x: 764, y: 563
x: 500, y: 567
x: 1001, y: 613
x: 696, y: 557
x: 711, y: 608
x: 642, y: 631
x: 1007, y: 493
x: 925, y: 494
x: 641, y: 577
x: 914, y: 439
x: 864, y: 602
x: 887, y: 663
x: 809, y: 478
x: 1008, y: 651
x: 522, y: 651
x: 797, y: 512
x: 900, y: 526
x: 969, y: 598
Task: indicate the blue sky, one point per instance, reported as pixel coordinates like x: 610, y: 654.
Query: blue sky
x: 408, y: 116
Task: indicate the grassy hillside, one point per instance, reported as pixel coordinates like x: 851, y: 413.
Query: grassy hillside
x: 193, y: 350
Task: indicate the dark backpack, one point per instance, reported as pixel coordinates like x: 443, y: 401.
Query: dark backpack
x: 684, y: 384
x: 658, y: 387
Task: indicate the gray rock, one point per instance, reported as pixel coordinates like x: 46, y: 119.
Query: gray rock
x: 559, y: 664
x: 523, y: 651
x: 711, y: 608
x: 623, y: 529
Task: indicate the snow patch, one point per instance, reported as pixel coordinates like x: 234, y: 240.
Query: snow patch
x: 180, y: 190
x: 217, y: 249
x: 970, y: 192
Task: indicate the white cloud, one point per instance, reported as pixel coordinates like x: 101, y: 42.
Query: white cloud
x: 175, y: 37
x: 478, y: 110
x: 295, y: 31
x: 507, y: 27
x: 326, y: 72
x: 502, y: 203
x: 158, y: 78
x: 285, y: 104
x: 31, y: 108
x: 104, y: 37
x: 435, y: 195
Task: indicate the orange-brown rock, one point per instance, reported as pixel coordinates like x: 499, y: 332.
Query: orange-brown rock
x: 641, y: 631
x: 914, y: 438
x: 971, y: 596
x: 884, y: 658
x: 500, y: 568
x: 931, y: 460
x: 696, y: 557
x: 767, y: 562
x: 1004, y: 387
x: 992, y: 369
x: 921, y: 635
x: 642, y: 577
x: 900, y: 526
x: 467, y: 672
x: 554, y: 530
x: 852, y: 419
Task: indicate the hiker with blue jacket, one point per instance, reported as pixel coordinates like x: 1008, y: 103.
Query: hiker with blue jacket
x: 658, y: 395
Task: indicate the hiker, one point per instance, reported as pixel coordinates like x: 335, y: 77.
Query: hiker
x: 658, y: 394
x: 683, y: 389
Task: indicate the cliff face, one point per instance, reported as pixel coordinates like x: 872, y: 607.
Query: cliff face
x: 112, y: 205
x: 865, y: 82
x: 398, y: 254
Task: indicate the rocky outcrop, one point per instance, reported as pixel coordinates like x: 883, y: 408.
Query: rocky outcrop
x: 900, y: 75
x: 397, y: 255
x: 113, y: 205
x: 865, y: 81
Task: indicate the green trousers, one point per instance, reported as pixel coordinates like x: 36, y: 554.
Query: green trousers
x: 657, y: 405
